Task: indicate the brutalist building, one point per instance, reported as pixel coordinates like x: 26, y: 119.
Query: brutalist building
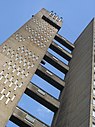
x: 24, y: 54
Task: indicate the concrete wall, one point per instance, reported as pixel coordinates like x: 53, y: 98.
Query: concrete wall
x: 76, y: 98
x: 20, y: 56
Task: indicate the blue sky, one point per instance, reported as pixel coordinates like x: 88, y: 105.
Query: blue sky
x: 76, y: 15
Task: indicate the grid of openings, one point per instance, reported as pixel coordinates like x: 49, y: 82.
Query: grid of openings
x: 14, y: 71
x: 40, y: 36
x: 35, y: 91
x: 40, y: 93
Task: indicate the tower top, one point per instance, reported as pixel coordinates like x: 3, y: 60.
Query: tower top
x: 51, y: 17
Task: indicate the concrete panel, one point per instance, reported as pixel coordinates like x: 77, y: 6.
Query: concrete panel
x: 20, y: 56
x: 50, y: 77
x: 56, y: 62
x: 24, y: 119
x: 42, y: 97
x: 75, y: 101
x: 62, y: 52
x: 64, y: 42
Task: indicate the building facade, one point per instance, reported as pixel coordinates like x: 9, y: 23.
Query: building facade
x: 77, y: 99
x: 23, y: 55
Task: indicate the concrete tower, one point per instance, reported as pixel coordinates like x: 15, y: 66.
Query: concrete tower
x: 77, y: 101
x: 20, y: 58
x: 23, y: 55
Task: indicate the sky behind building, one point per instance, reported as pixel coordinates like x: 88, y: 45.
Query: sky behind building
x: 76, y: 15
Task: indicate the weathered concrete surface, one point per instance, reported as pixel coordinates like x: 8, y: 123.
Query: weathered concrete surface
x: 20, y: 56
x: 75, y: 100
